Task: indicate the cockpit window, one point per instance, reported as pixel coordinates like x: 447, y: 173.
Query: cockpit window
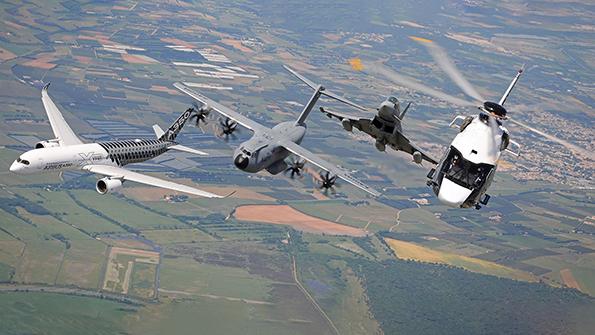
x: 463, y: 172
x: 22, y: 161
x: 393, y: 100
x: 246, y: 152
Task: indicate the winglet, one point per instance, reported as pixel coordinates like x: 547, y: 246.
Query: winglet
x: 46, y: 86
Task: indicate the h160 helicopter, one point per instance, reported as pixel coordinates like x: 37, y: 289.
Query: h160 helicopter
x: 466, y: 170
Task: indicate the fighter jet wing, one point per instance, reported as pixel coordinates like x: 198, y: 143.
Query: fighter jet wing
x: 225, y: 111
x: 335, y: 170
x: 61, y: 129
x: 342, y: 116
x: 404, y: 144
x: 361, y: 122
x: 124, y: 174
x: 398, y: 142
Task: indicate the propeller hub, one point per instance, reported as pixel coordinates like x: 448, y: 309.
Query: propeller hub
x: 494, y: 109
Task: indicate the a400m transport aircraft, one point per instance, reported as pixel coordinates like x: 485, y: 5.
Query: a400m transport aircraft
x: 268, y: 148
x: 67, y: 152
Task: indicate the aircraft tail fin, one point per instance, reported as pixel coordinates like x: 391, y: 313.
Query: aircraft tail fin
x: 402, y: 115
x: 320, y: 90
x: 511, y: 86
x: 172, y: 132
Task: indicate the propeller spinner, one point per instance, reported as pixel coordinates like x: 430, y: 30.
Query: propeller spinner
x: 327, y: 182
x: 294, y: 168
x: 228, y: 127
x: 200, y: 114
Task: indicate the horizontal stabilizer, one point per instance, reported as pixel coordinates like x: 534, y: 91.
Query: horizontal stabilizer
x: 158, y: 131
x: 183, y: 148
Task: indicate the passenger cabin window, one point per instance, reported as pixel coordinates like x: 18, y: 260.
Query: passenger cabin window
x: 463, y: 172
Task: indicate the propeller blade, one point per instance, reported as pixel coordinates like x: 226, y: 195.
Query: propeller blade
x: 570, y: 146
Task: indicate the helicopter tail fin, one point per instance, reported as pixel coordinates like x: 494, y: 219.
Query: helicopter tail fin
x: 511, y: 86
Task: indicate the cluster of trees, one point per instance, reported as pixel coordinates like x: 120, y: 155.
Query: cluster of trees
x: 408, y: 297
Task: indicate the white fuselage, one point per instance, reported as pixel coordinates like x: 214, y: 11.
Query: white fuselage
x: 60, y: 158
x: 261, y: 152
x: 467, y: 169
x: 73, y: 157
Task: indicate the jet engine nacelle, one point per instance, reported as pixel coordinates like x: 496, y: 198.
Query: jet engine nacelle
x: 47, y: 144
x: 105, y: 185
x: 417, y: 157
x: 347, y: 125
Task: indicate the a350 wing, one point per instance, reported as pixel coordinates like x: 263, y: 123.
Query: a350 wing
x: 61, y: 129
x: 124, y: 174
x: 225, y: 111
x: 321, y: 163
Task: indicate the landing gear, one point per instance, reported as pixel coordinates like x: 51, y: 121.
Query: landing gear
x: 430, y: 181
x: 380, y: 146
x: 484, y: 201
x: 486, y: 198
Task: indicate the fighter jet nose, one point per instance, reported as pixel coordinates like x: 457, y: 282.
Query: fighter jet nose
x: 241, y: 162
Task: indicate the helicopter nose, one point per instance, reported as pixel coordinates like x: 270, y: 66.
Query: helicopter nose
x: 15, y: 167
x: 452, y: 194
x: 241, y: 162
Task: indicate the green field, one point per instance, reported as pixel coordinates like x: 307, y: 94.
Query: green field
x: 46, y: 313
x: 165, y: 237
x: 411, y: 251
x: 118, y: 209
x: 83, y: 264
x: 62, y: 206
x: 186, y: 275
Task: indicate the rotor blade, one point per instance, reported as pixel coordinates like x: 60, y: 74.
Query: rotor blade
x: 494, y: 133
x: 411, y: 83
x: 447, y: 65
x: 570, y: 146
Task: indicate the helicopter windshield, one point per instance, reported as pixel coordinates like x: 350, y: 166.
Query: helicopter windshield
x: 463, y: 172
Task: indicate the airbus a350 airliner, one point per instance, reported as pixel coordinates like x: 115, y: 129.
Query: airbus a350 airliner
x: 67, y: 152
